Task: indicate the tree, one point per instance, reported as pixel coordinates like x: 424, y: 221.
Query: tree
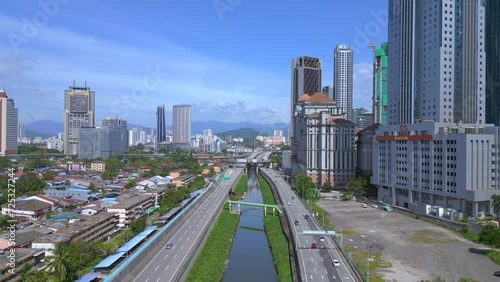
x: 61, y: 261
x: 37, y: 276
x: 131, y: 183
x: 5, y: 162
x: 327, y: 186
x: 67, y: 182
x: 92, y: 187
x: 361, y: 186
x: 489, y: 236
x: 30, y: 184
x: 495, y: 205
x: 304, y: 185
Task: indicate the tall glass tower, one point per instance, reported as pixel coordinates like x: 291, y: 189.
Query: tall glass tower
x: 181, y: 123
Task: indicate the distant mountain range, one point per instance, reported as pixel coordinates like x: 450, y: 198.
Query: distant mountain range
x: 48, y: 128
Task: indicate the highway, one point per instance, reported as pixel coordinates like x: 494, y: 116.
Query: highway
x: 168, y: 264
x: 316, y: 264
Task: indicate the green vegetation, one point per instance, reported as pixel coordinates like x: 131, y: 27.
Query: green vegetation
x: 211, y: 262
x: 321, y: 215
x: 495, y: 205
x: 245, y: 133
x: 241, y: 186
x: 29, y: 184
x: 361, y: 186
x: 349, y: 232
x: 427, y: 236
x: 439, y: 279
x: 34, y: 149
x: 359, y: 260
x: 490, y: 235
x: 494, y: 256
x: 173, y: 196
x: 277, y: 239
x: 305, y: 186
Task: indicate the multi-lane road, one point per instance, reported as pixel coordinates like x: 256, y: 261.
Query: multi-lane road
x: 168, y: 264
x: 316, y: 264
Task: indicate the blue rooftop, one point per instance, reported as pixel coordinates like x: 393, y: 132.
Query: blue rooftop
x: 88, y: 277
x: 132, y: 243
x: 148, y: 230
x: 108, y: 199
x: 110, y: 260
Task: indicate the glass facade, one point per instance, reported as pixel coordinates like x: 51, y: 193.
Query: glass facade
x: 492, y: 42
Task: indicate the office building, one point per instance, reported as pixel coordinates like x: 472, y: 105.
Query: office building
x: 358, y: 112
x: 21, y: 132
x: 8, y: 125
x: 328, y: 91
x: 79, y: 110
x: 380, y: 84
x: 364, y: 120
x: 306, y: 79
x: 181, y: 124
x: 448, y: 165
x: 324, y: 146
x: 364, y: 144
x: 492, y: 41
x: 160, y: 124
x: 436, y: 61
x: 111, y: 139
x: 342, y: 79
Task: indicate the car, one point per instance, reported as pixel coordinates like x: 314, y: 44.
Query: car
x: 313, y: 245
x: 306, y: 216
x: 169, y: 246
x: 363, y: 205
x: 497, y: 273
x: 322, y: 239
x: 296, y: 222
x: 336, y: 263
x: 374, y: 206
x: 293, y: 198
x: 289, y: 204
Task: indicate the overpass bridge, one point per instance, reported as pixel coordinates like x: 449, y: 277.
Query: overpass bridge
x: 274, y: 207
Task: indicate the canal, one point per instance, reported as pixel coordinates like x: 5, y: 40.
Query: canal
x: 250, y: 258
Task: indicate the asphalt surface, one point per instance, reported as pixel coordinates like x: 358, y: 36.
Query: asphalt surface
x: 415, y: 249
x: 168, y: 264
x: 316, y: 264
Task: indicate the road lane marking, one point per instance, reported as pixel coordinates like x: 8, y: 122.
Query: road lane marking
x: 157, y: 267
x: 165, y: 257
x: 167, y: 267
x: 175, y: 256
x: 322, y: 259
x: 313, y: 261
x: 158, y: 280
x: 315, y: 272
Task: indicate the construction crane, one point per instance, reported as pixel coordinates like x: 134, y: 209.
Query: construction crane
x: 373, y: 47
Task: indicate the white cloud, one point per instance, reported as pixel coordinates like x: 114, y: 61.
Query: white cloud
x: 363, y: 85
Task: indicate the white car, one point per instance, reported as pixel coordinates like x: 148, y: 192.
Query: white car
x: 336, y: 263
x: 363, y: 205
x: 322, y: 239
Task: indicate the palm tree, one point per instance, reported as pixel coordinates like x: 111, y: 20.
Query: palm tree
x: 495, y: 204
x: 61, y: 260
x: 38, y: 276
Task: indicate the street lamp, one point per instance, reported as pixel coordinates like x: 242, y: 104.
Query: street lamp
x: 368, y: 264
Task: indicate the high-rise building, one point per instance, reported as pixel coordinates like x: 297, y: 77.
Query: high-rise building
x: 181, y: 124
x: 79, y: 110
x: 380, y: 84
x: 306, y: 79
x: 436, y: 68
x: 110, y: 139
x: 492, y: 41
x: 8, y: 125
x: 160, y: 124
x: 342, y: 79
x: 358, y: 112
x: 328, y: 91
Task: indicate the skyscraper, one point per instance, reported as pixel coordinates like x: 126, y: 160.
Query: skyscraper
x: 380, y: 85
x: 8, y: 125
x: 492, y: 42
x: 110, y: 139
x: 21, y: 132
x: 306, y: 79
x: 181, y: 123
x: 328, y: 91
x: 160, y: 124
x: 436, y: 68
x: 79, y: 110
x: 342, y: 79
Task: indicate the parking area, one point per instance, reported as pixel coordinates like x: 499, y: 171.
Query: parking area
x: 403, y: 248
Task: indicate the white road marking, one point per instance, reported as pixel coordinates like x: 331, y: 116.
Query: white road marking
x: 321, y: 259
x: 165, y: 257
x: 315, y: 272
x: 167, y: 267
x: 157, y: 268
x: 175, y: 256
x: 313, y: 260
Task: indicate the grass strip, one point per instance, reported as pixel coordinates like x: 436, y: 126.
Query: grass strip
x: 241, y: 187
x: 277, y: 239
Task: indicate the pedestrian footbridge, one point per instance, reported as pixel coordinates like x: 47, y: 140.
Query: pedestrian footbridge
x: 265, y: 206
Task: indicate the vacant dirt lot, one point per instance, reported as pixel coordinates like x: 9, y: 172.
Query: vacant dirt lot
x: 407, y: 249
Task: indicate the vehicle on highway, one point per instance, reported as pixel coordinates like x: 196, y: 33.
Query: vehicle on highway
x: 336, y: 263
x: 169, y: 246
x: 313, y: 245
x: 296, y: 222
x: 322, y: 238
x: 363, y: 205
x: 306, y: 216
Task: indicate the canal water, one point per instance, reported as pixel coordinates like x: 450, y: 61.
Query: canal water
x: 250, y: 258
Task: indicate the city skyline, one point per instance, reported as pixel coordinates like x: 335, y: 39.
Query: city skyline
x: 35, y: 68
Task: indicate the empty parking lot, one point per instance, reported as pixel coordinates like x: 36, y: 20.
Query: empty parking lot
x: 407, y: 249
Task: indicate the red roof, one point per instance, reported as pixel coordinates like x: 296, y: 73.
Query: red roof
x: 54, y: 201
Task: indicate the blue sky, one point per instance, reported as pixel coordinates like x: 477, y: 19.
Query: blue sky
x: 229, y: 59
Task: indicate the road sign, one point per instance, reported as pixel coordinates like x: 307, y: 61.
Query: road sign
x: 318, y: 232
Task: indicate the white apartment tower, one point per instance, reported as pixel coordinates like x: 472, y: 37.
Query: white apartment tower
x: 436, y: 68
x: 181, y: 124
x: 342, y: 79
